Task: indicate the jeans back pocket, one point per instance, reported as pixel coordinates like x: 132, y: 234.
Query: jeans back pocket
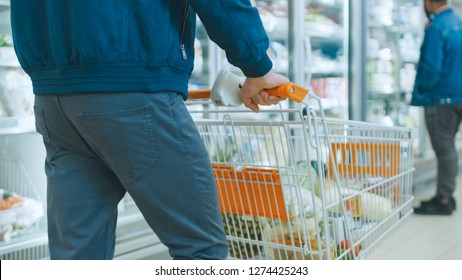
x: 124, y: 139
x: 40, y: 124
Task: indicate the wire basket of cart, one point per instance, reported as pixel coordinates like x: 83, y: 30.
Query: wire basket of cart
x: 294, y: 185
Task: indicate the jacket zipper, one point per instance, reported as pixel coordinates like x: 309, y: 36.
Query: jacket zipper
x: 183, y: 29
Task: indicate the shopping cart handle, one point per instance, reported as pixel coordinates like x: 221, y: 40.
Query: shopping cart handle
x: 289, y: 90
x: 227, y: 86
x: 199, y: 94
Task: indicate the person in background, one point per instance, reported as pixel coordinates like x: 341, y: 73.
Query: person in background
x: 438, y: 87
x: 110, y: 79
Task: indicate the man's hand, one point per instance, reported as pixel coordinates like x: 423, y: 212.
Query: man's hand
x: 253, y: 91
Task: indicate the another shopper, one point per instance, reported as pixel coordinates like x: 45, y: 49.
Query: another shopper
x: 110, y: 78
x: 438, y: 87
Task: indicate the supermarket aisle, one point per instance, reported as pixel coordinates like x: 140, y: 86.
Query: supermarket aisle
x: 425, y: 237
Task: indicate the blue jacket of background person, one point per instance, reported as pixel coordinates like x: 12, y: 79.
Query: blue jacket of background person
x: 138, y: 46
x: 439, y: 72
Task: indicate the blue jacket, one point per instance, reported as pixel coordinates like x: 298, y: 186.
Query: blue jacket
x: 439, y: 72
x: 79, y: 46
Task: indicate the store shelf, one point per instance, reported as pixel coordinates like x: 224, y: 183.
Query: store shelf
x: 412, y: 61
x: 333, y: 5
x: 327, y: 69
x: 393, y: 29
x: 376, y: 93
x: 324, y: 33
x: 16, y: 125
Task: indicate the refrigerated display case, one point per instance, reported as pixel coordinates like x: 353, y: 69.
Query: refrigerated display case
x: 327, y: 31
x: 394, y: 32
x: 308, y: 43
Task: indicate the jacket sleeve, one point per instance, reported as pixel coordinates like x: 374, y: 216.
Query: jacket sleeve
x: 236, y: 27
x: 431, y: 60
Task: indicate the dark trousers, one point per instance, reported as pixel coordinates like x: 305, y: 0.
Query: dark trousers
x: 443, y: 122
x: 100, y: 146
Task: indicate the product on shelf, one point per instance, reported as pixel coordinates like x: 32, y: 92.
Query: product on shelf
x: 17, y: 214
x: 15, y: 93
x: 6, y: 40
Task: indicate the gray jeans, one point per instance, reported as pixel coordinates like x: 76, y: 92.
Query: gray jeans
x: 442, y: 124
x: 100, y: 146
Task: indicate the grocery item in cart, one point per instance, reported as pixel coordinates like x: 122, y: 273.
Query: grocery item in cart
x: 372, y: 207
x: 244, y: 227
x: 295, y: 240
x: 302, y: 203
x: 365, y: 204
x: 308, y: 176
x: 301, y: 232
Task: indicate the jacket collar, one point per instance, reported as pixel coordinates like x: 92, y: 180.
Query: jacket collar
x: 438, y: 12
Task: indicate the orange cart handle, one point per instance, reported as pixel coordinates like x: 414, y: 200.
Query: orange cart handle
x: 289, y: 90
x: 199, y: 94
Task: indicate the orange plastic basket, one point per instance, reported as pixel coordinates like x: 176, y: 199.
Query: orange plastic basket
x: 374, y: 159
x: 366, y: 158
x: 252, y: 191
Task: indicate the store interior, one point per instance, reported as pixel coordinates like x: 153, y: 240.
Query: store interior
x: 358, y: 57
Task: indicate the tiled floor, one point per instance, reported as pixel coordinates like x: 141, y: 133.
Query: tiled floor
x: 425, y: 237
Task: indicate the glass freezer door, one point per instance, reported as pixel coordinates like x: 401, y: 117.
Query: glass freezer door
x: 326, y: 31
x: 394, y: 34
x: 322, y: 52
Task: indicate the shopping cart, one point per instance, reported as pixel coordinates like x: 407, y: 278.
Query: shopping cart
x: 293, y: 184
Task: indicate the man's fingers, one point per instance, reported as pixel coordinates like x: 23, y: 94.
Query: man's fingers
x: 253, y: 91
x: 263, y: 98
x: 251, y: 105
x: 273, y: 99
